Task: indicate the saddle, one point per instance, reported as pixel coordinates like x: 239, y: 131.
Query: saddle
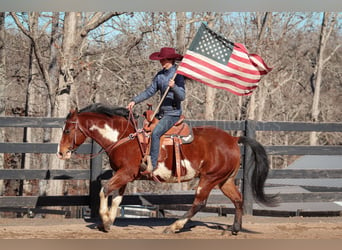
x: 180, y: 133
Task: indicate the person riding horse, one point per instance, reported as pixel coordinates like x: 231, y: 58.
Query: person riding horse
x: 170, y: 109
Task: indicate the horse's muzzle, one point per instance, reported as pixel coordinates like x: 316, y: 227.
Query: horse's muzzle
x: 65, y: 156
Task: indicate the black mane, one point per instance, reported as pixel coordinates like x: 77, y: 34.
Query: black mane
x: 106, y: 110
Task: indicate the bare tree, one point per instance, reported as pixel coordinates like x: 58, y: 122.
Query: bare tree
x: 53, y: 72
x: 31, y: 99
x: 2, y: 87
x: 328, y: 23
x: 71, y: 50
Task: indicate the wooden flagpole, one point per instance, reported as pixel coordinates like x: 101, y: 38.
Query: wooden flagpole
x: 163, y: 98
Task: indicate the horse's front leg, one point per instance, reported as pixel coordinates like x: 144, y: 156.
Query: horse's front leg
x: 107, y: 214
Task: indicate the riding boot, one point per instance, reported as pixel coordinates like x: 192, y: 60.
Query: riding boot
x: 143, y: 164
x: 149, y: 164
x: 148, y: 168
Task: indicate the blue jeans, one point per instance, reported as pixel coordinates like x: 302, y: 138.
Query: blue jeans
x: 164, y: 125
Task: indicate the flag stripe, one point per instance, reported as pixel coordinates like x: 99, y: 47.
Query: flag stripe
x: 202, y: 71
x: 260, y: 63
x: 218, y: 76
x: 244, y: 68
x: 240, y: 50
x: 211, y: 75
x: 215, y: 84
x: 217, y: 62
x: 250, y: 65
x: 224, y: 70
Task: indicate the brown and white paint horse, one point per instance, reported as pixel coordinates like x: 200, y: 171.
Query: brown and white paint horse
x: 213, y: 156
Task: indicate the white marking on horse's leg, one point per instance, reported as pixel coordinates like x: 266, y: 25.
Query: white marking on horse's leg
x: 114, y: 208
x: 103, y: 204
x: 198, y: 191
x: 176, y: 226
x: 107, y: 132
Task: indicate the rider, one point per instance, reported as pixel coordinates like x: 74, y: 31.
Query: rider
x: 170, y: 110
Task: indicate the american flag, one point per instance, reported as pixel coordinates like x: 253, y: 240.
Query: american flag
x: 220, y: 63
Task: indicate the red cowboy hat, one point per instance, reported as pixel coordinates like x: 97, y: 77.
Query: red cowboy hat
x: 166, y: 53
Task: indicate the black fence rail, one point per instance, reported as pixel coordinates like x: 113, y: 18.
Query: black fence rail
x: 95, y: 173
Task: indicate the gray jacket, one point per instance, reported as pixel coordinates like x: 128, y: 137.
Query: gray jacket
x: 172, y: 103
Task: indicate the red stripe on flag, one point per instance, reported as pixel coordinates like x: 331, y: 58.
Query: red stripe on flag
x: 222, y: 71
x: 242, y: 49
x: 242, y: 69
x: 257, y: 57
x: 219, y: 87
x: 215, y: 78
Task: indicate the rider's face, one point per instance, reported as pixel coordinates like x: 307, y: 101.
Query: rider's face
x: 166, y: 63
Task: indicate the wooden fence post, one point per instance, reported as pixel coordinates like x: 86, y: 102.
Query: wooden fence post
x: 95, y: 181
x: 250, y: 131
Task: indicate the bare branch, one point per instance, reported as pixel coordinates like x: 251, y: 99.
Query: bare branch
x: 331, y: 54
x: 20, y: 25
x: 97, y: 19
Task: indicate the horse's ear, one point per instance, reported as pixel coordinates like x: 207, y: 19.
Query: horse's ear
x: 73, y: 111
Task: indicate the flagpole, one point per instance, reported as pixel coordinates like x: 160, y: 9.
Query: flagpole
x: 162, y: 99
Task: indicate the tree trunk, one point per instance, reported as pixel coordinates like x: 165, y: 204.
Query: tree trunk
x: 328, y: 23
x: 210, y: 94
x: 62, y: 101
x: 31, y: 100
x: 2, y: 88
x: 317, y: 77
x: 258, y: 95
x: 53, y: 73
x: 71, y: 50
x: 180, y: 32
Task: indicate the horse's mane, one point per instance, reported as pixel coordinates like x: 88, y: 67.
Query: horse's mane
x: 106, y: 110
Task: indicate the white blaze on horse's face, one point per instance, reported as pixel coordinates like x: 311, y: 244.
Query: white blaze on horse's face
x: 107, y: 132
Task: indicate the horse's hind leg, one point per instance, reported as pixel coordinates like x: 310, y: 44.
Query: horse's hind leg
x: 231, y: 191
x: 201, y: 196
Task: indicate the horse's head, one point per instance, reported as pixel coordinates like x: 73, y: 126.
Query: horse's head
x: 72, y: 136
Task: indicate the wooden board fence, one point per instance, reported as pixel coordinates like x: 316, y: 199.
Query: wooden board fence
x: 95, y: 173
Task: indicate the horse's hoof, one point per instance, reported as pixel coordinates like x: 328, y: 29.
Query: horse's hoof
x: 103, y: 228
x: 236, y: 228
x: 234, y: 233
x: 168, y: 231
x: 100, y: 227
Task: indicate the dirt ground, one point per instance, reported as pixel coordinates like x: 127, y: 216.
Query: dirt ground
x: 213, y: 227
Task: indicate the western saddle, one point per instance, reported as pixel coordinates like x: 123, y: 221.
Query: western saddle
x: 179, y: 134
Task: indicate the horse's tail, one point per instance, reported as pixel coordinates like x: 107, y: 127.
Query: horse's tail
x: 260, y: 171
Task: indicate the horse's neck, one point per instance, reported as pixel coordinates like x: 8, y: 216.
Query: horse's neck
x: 108, y: 131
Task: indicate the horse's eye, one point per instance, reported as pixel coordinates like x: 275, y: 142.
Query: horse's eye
x: 67, y: 131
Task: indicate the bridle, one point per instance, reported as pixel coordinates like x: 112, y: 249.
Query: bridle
x: 73, y: 147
